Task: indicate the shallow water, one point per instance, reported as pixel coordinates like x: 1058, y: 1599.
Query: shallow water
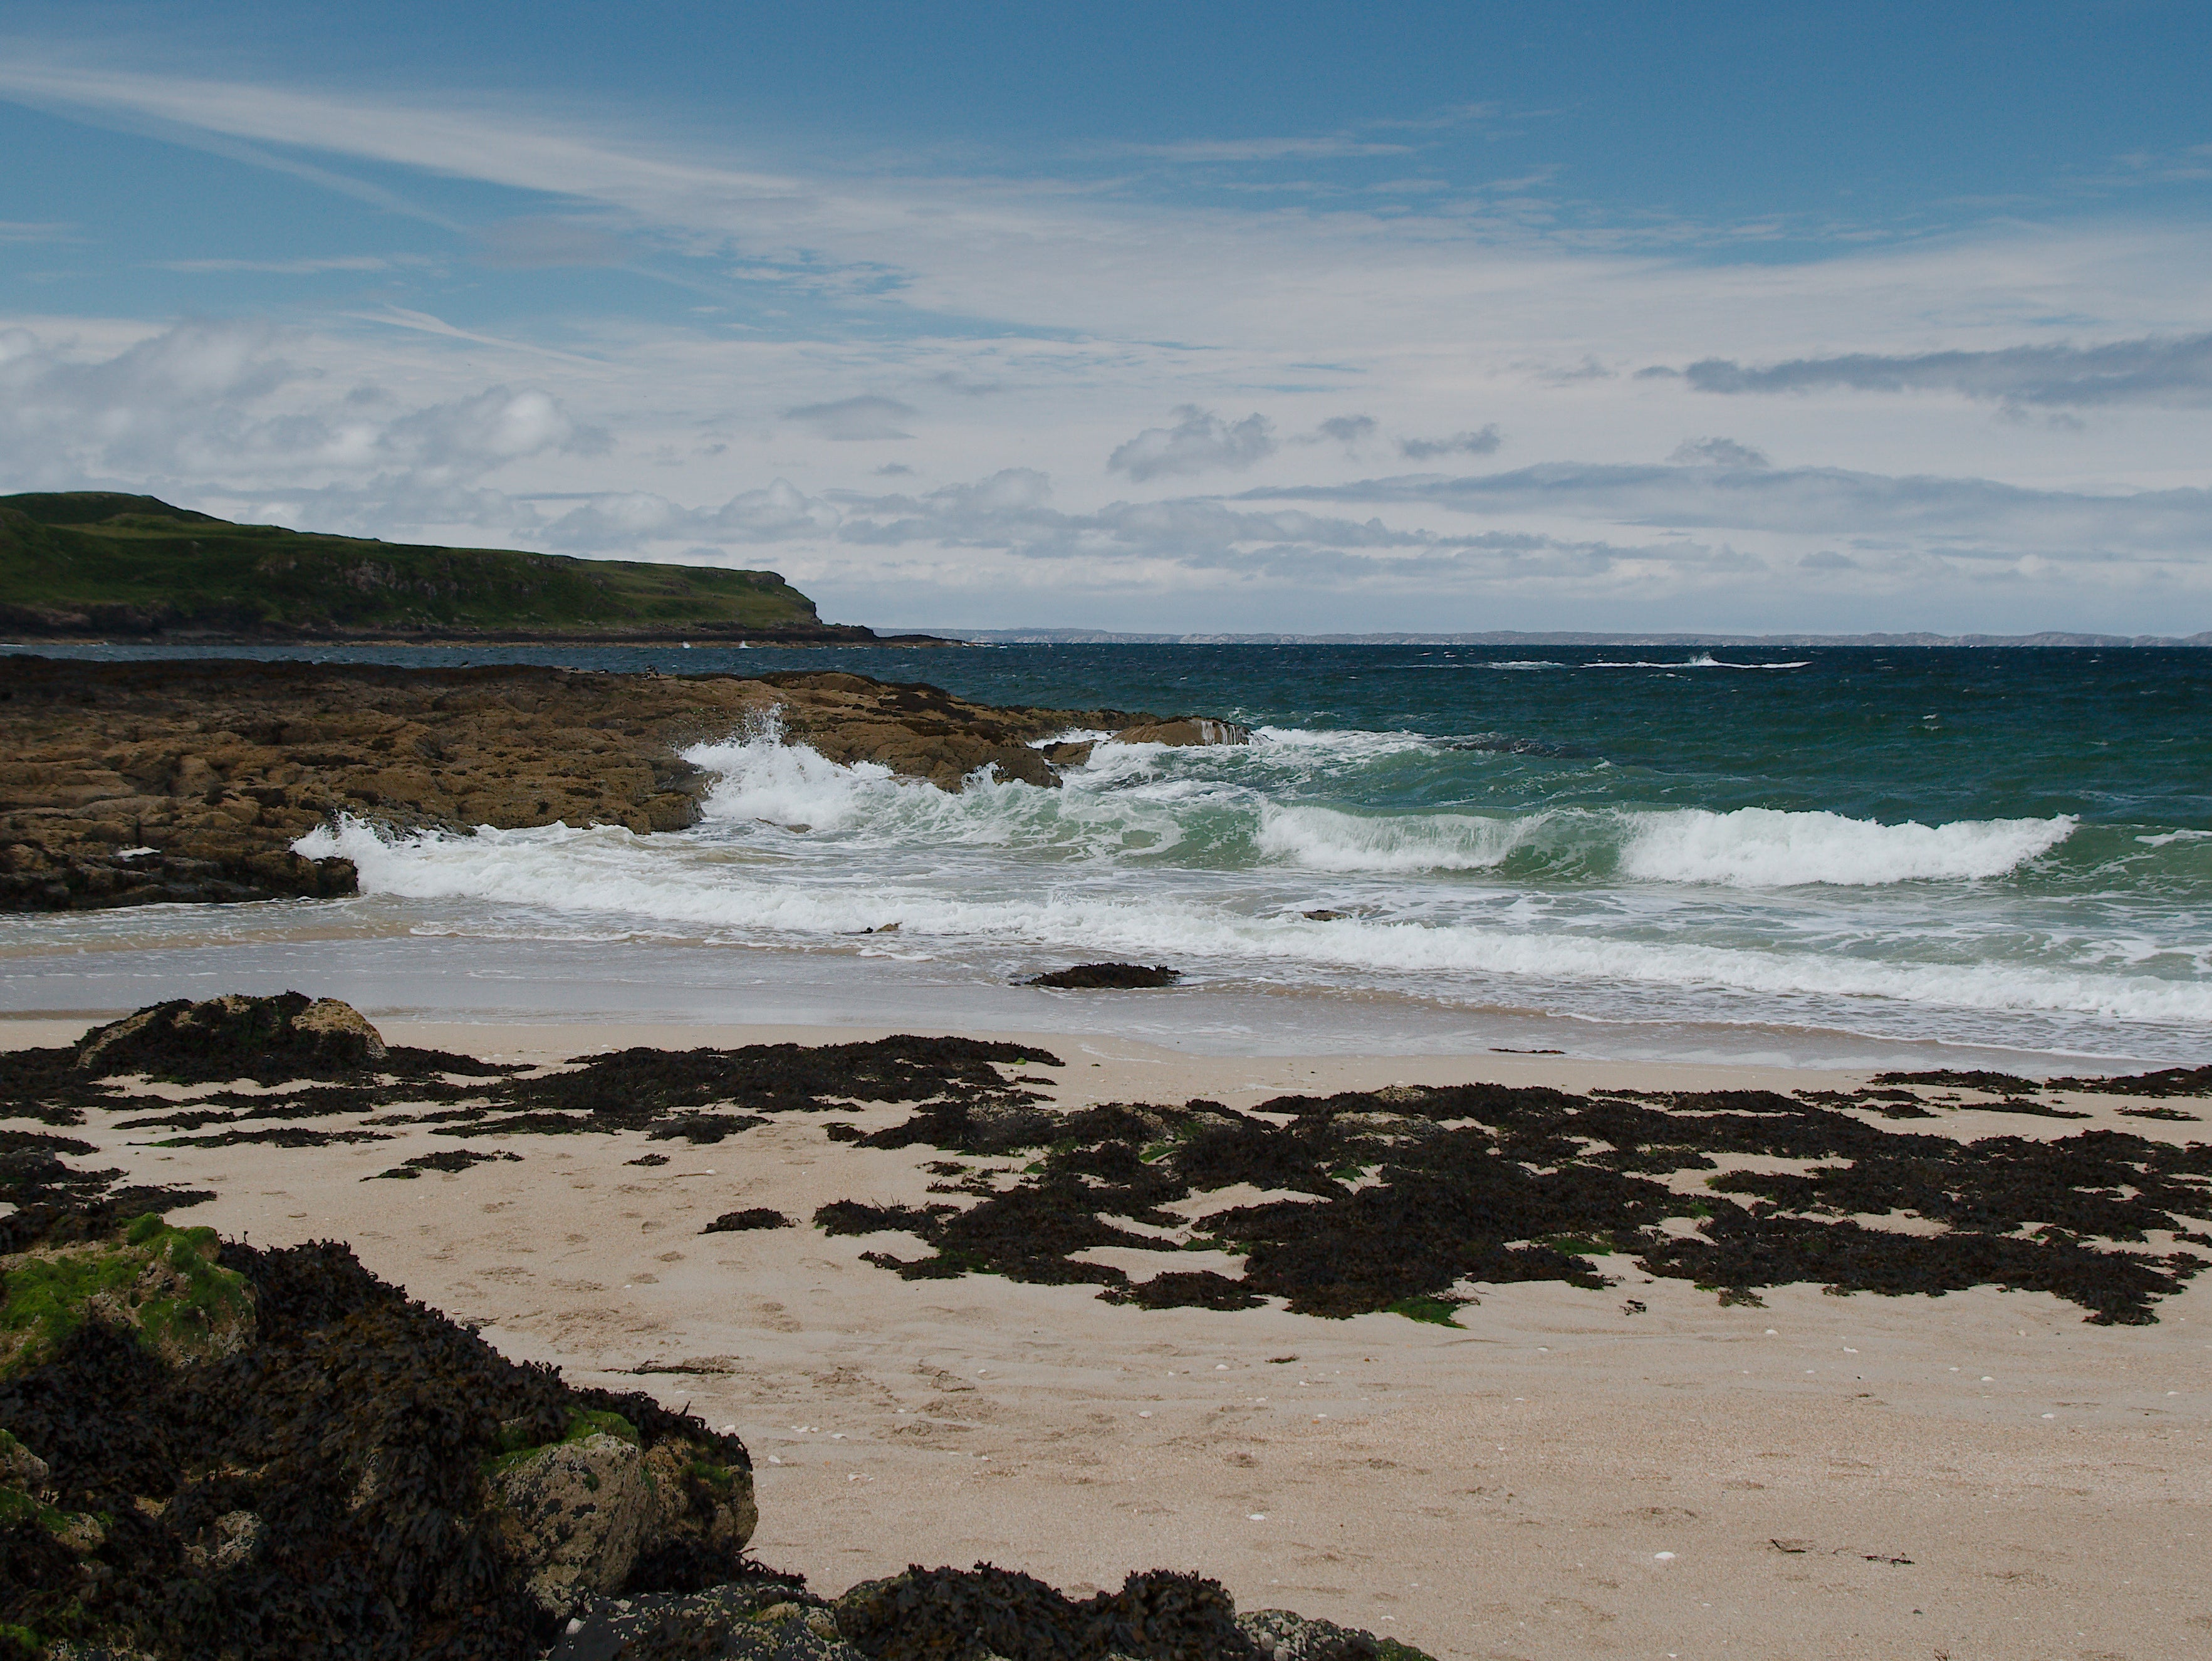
x: 1819, y: 850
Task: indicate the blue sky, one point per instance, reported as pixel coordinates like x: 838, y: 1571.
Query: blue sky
x: 1152, y: 317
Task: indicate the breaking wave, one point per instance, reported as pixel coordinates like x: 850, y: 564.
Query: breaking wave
x: 1750, y: 847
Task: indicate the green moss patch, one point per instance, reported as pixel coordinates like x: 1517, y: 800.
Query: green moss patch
x: 162, y: 1284
x: 1436, y: 1311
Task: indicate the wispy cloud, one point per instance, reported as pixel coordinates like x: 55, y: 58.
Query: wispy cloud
x: 361, y: 262
x: 539, y: 241
x: 2154, y: 369
x: 855, y: 419
x: 401, y: 317
x: 1350, y: 430
x: 1718, y: 452
x: 1265, y: 150
x: 1961, y: 515
x: 26, y: 230
x: 1199, y: 441
x: 1481, y: 442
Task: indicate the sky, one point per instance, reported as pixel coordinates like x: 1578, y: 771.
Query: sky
x: 1146, y: 317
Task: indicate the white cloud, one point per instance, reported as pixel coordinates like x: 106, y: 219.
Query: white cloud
x: 232, y: 406
x: 1199, y: 442
x: 1085, y: 311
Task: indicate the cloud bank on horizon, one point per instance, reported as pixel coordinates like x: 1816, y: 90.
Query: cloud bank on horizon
x: 1174, y: 328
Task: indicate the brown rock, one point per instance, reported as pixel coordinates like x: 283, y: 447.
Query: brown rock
x: 1186, y: 730
x: 130, y: 783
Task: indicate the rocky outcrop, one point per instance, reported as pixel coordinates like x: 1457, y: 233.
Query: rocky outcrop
x: 277, y: 1039
x: 962, y: 1614
x: 351, y: 1476
x: 137, y: 782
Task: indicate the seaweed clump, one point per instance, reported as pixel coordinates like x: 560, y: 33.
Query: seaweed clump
x: 734, y: 1222
x: 328, y: 1485
x: 1108, y: 977
x: 1407, y: 1198
x: 327, y: 1061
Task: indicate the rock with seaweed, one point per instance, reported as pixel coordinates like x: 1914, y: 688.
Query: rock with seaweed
x: 962, y: 1614
x: 318, y: 1467
x: 1107, y: 977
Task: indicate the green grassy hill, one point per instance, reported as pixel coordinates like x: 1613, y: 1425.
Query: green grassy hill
x: 89, y: 563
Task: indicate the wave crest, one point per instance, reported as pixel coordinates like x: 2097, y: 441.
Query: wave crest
x: 1749, y: 847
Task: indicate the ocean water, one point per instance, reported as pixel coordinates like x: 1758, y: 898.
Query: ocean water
x: 1821, y: 852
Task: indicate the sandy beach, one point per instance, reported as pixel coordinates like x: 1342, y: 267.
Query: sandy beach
x: 1635, y: 1471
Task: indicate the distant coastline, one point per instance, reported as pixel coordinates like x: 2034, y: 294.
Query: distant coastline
x: 1551, y: 637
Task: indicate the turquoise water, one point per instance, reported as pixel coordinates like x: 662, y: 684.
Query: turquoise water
x: 1999, y: 846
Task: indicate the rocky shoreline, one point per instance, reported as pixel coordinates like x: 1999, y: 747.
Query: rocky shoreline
x: 141, y: 783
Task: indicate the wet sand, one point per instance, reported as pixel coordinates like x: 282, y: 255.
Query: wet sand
x: 1978, y: 1475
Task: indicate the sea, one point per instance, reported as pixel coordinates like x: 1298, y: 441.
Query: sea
x: 1813, y: 856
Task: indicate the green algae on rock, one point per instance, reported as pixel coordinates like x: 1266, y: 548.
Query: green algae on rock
x: 161, y: 1284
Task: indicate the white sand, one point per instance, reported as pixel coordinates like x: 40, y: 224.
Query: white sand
x: 1978, y: 1475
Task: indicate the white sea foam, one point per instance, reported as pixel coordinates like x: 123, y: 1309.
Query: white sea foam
x: 1206, y: 857
x: 1323, y: 839
x: 1762, y: 848
x: 1750, y: 847
x: 1703, y: 661
x: 607, y: 873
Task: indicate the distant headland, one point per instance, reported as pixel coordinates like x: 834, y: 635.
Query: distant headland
x: 103, y: 565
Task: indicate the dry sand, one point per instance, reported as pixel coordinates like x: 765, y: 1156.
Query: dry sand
x: 1980, y: 1476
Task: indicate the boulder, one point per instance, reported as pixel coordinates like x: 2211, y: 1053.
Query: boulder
x: 1279, y: 1635
x: 574, y: 1516
x: 578, y: 1516
x: 270, y: 1040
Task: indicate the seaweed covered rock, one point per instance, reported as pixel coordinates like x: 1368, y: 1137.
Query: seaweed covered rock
x: 960, y: 1615
x: 163, y: 1286
x: 326, y: 1481
x: 575, y: 1512
x: 926, y: 1615
x: 763, y: 1616
x: 1107, y: 977
x: 269, y: 1040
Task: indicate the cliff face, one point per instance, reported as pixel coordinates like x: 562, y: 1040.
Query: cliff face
x: 139, y: 783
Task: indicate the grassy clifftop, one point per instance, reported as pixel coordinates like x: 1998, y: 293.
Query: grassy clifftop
x: 95, y: 563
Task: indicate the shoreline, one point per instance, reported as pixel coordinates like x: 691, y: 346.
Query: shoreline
x: 1823, y: 1474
